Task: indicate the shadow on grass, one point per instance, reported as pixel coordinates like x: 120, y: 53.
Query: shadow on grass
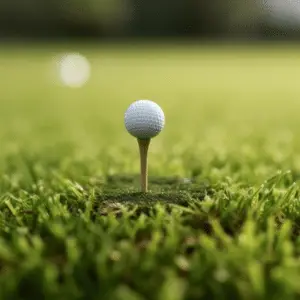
x: 156, y: 184
x: 146, y: 198
x: 125, y: 188
x: 143, y: 202
x: 122, y: 190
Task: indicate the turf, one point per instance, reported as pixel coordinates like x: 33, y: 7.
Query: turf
x: 222, y: 218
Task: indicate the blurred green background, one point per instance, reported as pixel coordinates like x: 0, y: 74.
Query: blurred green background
x: 216, y: 96
x: 230, y: 110
x: 135, y: 18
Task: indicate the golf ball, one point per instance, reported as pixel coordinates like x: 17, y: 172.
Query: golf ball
x: 144, y: 119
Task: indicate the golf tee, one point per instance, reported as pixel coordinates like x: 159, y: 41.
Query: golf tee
x: 144, y: 146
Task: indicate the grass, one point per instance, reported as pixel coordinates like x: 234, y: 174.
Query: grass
x: 222, y: 219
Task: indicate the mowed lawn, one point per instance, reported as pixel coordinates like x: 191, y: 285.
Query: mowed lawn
x: 222, y: 219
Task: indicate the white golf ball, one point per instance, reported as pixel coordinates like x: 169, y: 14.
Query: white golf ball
x: 144, y: 119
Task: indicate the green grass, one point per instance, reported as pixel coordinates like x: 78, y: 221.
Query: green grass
x: 222, y: 219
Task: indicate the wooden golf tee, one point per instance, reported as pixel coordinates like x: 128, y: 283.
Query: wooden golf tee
x: 144, y: 146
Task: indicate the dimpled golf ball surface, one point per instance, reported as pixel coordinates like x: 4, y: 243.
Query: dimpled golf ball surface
x: 144, y: 119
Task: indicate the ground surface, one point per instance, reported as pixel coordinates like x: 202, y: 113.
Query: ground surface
x: 222, y: 219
